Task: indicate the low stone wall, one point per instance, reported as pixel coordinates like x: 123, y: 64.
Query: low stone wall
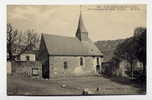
x: 27, y: 69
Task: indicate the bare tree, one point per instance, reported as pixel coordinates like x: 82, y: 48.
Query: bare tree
x: 19, y: 42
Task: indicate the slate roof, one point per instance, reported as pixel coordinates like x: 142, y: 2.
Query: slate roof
x: 61, y: 45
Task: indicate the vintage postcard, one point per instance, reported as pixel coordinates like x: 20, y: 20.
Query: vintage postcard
x: 76, y: 50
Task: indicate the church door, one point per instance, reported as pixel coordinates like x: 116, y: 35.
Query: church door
x: 45, y: 70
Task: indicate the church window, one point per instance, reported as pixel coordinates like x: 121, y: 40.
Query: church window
x: 81, y: 61
x: 97, y: 61
x: 65, y: 65
x: 27, y: 58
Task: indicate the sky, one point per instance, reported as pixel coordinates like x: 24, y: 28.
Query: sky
x: 103, y: 22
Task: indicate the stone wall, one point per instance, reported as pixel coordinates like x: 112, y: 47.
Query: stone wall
x: 27, y: 69
x: 73, y: 66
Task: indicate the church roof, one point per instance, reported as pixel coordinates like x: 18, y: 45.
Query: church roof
x: 61, y: 45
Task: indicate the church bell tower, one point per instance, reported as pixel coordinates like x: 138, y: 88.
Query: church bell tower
x: 81, y: 33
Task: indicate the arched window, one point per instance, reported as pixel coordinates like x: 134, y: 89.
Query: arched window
x: 81, y: 61
x: 27, y: 58
x: 65, y: 65
x: 97, y: 61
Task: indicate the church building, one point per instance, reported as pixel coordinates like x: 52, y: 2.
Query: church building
x: 70, y: 56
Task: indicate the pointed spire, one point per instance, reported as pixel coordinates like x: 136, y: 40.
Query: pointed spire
x: 81, y: 32
x: 81, y: 27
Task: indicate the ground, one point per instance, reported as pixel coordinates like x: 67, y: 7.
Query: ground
x: 70, y: 86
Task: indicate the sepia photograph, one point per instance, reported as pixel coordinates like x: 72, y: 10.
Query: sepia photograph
x: 76, y: 50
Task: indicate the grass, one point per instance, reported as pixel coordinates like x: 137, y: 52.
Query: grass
x: 69, y: 86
